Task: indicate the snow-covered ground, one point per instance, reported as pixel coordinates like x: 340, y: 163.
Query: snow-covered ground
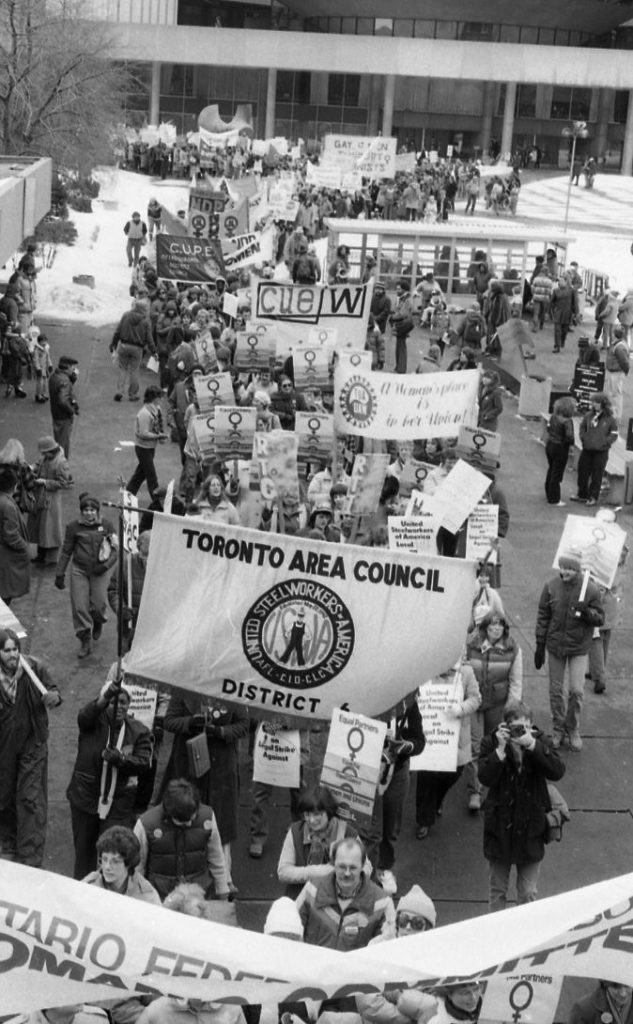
x: 601, y: 221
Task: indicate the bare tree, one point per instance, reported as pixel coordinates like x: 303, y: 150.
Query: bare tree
x: 61, y: 94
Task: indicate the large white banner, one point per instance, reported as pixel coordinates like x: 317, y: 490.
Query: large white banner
x: 400, y: 407
x: 294, y: 625
x: 256, y: 247
x: 65, y: 942
x: 374, y: 156
x: 296, y: 308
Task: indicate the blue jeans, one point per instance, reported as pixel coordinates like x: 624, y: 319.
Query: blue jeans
x: 566, y: 701
x: 527, y: 880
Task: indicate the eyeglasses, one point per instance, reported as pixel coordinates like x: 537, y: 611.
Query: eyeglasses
x: 412, y: 921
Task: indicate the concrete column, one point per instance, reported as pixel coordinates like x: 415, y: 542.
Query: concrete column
x: 271, y: 100
x: 604, y: 115
x: 387, y: 104
x: 508, y: 117
x: 374, y: 105
x: 154, y: 99
x: 486, y: 117
x: 627, y: 147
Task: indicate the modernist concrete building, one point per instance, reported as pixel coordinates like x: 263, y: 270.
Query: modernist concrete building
x: 441, y: 72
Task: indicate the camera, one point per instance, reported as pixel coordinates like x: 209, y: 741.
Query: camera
x: 517, y: 730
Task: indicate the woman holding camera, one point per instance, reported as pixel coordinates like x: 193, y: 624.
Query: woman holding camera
x: 497, y: 661
x: 516, y: 762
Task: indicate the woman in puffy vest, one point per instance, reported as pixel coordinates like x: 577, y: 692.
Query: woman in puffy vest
x: 497, y: 661
x: 305, y: 854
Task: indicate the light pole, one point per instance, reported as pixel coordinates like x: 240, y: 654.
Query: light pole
x: 577, y: 130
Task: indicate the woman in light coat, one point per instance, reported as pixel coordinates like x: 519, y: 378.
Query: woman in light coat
x: 45, y: 522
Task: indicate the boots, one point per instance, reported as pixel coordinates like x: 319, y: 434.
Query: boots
x: 86, y: 645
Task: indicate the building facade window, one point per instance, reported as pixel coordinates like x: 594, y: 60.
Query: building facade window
x: 570, y: 104
x: 293, y: 86
x: 177, y: 80
x: 526, y: 101
x: 621, y: 106
x: 343, y: 90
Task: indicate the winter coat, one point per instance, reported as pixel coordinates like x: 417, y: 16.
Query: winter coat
x: 296, y: 866
x: 133, y: 329
x: 326, y: 925
x: 220, y: 786
x: 23, y: 726
x: 45, y: 522
x: 618, y: 359
x: 563, y: 304
x: 557, y: 626
x: 596, y: 1009
x: 62, y: 396
x: 560, y: 430
x: 95, y: 734
x: 517, y: 802
x: 82, y: 542
x: 498, y: 668
x: 138, y: 888
x: 542, y: 287
x: 490, y: 407
x: 598, y: 433
x: 625, y: 310
x: 15, y: 564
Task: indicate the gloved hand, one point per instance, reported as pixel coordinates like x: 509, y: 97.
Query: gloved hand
x: 60, y: 583
x: 196, y: 723
x: 583, y: 611
x: 539, y: 656
x: 113, y: 756
x: 212, y: 730
x: 109, y: 692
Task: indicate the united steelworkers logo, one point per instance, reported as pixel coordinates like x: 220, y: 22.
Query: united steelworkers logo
x: 298, y: 634
x: 358, y: 401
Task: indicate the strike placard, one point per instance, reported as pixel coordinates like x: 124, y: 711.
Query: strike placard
x: 254, y: 351
x: 526, y: 998
x: 482, y: 528
x: 374, y: 156
x: 204, y: 349
x: 482, y: 448
x: 204, y: 429
x: 440, y: 730
x: 413, y: 533
x: 351, y: 766
x: 130, y: 522
x: 297, y: 307
x: 277, y: 756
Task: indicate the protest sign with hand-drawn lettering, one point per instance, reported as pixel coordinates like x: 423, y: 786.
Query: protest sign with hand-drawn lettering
x: 396, y: 407
x: 441, y: 731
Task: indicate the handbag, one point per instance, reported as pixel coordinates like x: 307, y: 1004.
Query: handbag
x: 557, y: 816
x: 198, y: 761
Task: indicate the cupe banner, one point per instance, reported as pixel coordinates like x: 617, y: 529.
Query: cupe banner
x: 297, y: 308
x: 400, y: 407
x: 291, y: 624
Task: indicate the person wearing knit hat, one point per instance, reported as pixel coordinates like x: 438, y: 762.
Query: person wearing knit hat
x: 90, y: 546
x: 23, y: 752
x: 570, y: 609
x: 45, y: 521
x: 283, y: 920
x: 415, y: 912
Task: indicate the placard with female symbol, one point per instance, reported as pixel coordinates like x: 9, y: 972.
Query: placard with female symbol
x: 234, y: 431
x: 311, y: 368
x: 253, y: 352
x: 315, y: 432
x: 213, y: 389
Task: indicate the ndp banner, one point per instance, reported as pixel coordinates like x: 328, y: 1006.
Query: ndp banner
x: 399, y: 407
x: 284, y: 623
x: 296, y: 308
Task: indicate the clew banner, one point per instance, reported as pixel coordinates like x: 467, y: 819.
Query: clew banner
x: 291, y: 624
x: 400, y: 407
x: 295, y: 308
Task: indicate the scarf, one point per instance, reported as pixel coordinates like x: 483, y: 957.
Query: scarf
x: 9, y: 684
x: 320, y: 843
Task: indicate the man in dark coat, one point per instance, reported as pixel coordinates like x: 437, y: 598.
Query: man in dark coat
x: 112, y: 750
x: 564, y: 628
x: 23, y: 752
x: 15, y: 564
x: 609, y: 1002
x: 515, y: 763
x: 64, y: 405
